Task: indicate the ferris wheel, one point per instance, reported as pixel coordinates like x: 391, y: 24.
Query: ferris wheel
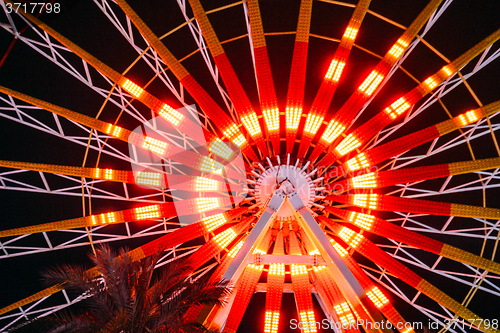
x: 343, y: 152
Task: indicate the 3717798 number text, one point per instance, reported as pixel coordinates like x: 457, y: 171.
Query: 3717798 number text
x: 33, y: 8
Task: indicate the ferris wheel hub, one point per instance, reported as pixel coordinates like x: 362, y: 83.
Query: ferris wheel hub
x: 272, y: 178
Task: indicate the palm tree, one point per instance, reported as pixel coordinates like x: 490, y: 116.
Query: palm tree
x: 130, y: 297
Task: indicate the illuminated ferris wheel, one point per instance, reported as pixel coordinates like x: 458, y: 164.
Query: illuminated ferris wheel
x: 224, y: 139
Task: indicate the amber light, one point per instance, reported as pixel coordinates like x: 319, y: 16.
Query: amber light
x: 224, y: 238
x: 214, y: 221
x: 132, y: 88
x: 171, y: 115
x: 206, y: 204
x: 272, y: 118
x: 371, y: 83
x: 333, y: 130
x: 358, y: 162
x: 147, y: 212
x: 234, y: 134
x: 312, y: 123
x: 335, y: 70
x: 293, y: 117
x: 377, y: 297
x: 347, y: 145
x: 154, y: 145
x: 251, y: 123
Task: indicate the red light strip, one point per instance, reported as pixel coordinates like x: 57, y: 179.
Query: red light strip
x: 246, y: 287
x: 407, y: 175
x: 230, y: 79
x: 348, y: 111
x: 302, y: 289
x: 385, y: 229
x: 367, y: 284
x: 404, y: 103
x: 329, y: 84
x: 265, y: 83
x: 297, y: 82
x: 274, y: 292
x: 379, y: 257
x: 392, y: 203
x: 383, y: 152
x: 167, y: 209
x: 173, y: 238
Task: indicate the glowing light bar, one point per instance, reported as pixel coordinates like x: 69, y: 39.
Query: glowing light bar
x: 447, y: 70
x: 132, y: 88
x: 203, y: 184
x: 272, y: 118
x: 234, y: 251
x: 365, y: 200
x: 251, y: 123
x: 209, y: 165
x: 298, y: 269
x: 154, y: 145
x: 335, y: 70
x: 108, y: 174
x: 277, y: 269
x: 293, y: 117
x: 430, y: 83
x: 344, y: 312
x: 348, y: 144
x: 148, y: 178
x: 104, y: 218
x: 312, y: 123
x: 206, y: 204
x: 398, y: 48
x: 114, y: 130
x: 319, y: 268
x: 308, y: 321
x: 350, y: 237
x: 408, y: 330
x: 271, y: 321
x: 333, y: 130
x: 468, y: 118
x: 377, y: 297
x: 224, y: 238
x: 398, y: 107
x: 147, y: 212
x: 171, y: 115
x: 233, y: 133
x: 314, y: 253
x: 220, y: 148
x: 371, y: 83
x: 351, y: 33
x: 364, y: 221
x: 339, y: 248
x: 214, y: 221
x: 358, y: 162
x: 364, y: 181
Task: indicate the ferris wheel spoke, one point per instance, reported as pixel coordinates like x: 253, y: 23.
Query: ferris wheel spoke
x: 297, y: 82
x: 409, y: 175
x: 383, y: 228
x: 207, y: 104
x: 366, y: 131
x: 396, y: 147
x: 342, y: 118
x: 324, y: 96
x: 264, y: 76
x: 378, y: 256
x: 179, y: 121
x: 233, y: 85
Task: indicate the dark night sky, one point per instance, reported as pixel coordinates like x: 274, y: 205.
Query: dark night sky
x: 465, y: 23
